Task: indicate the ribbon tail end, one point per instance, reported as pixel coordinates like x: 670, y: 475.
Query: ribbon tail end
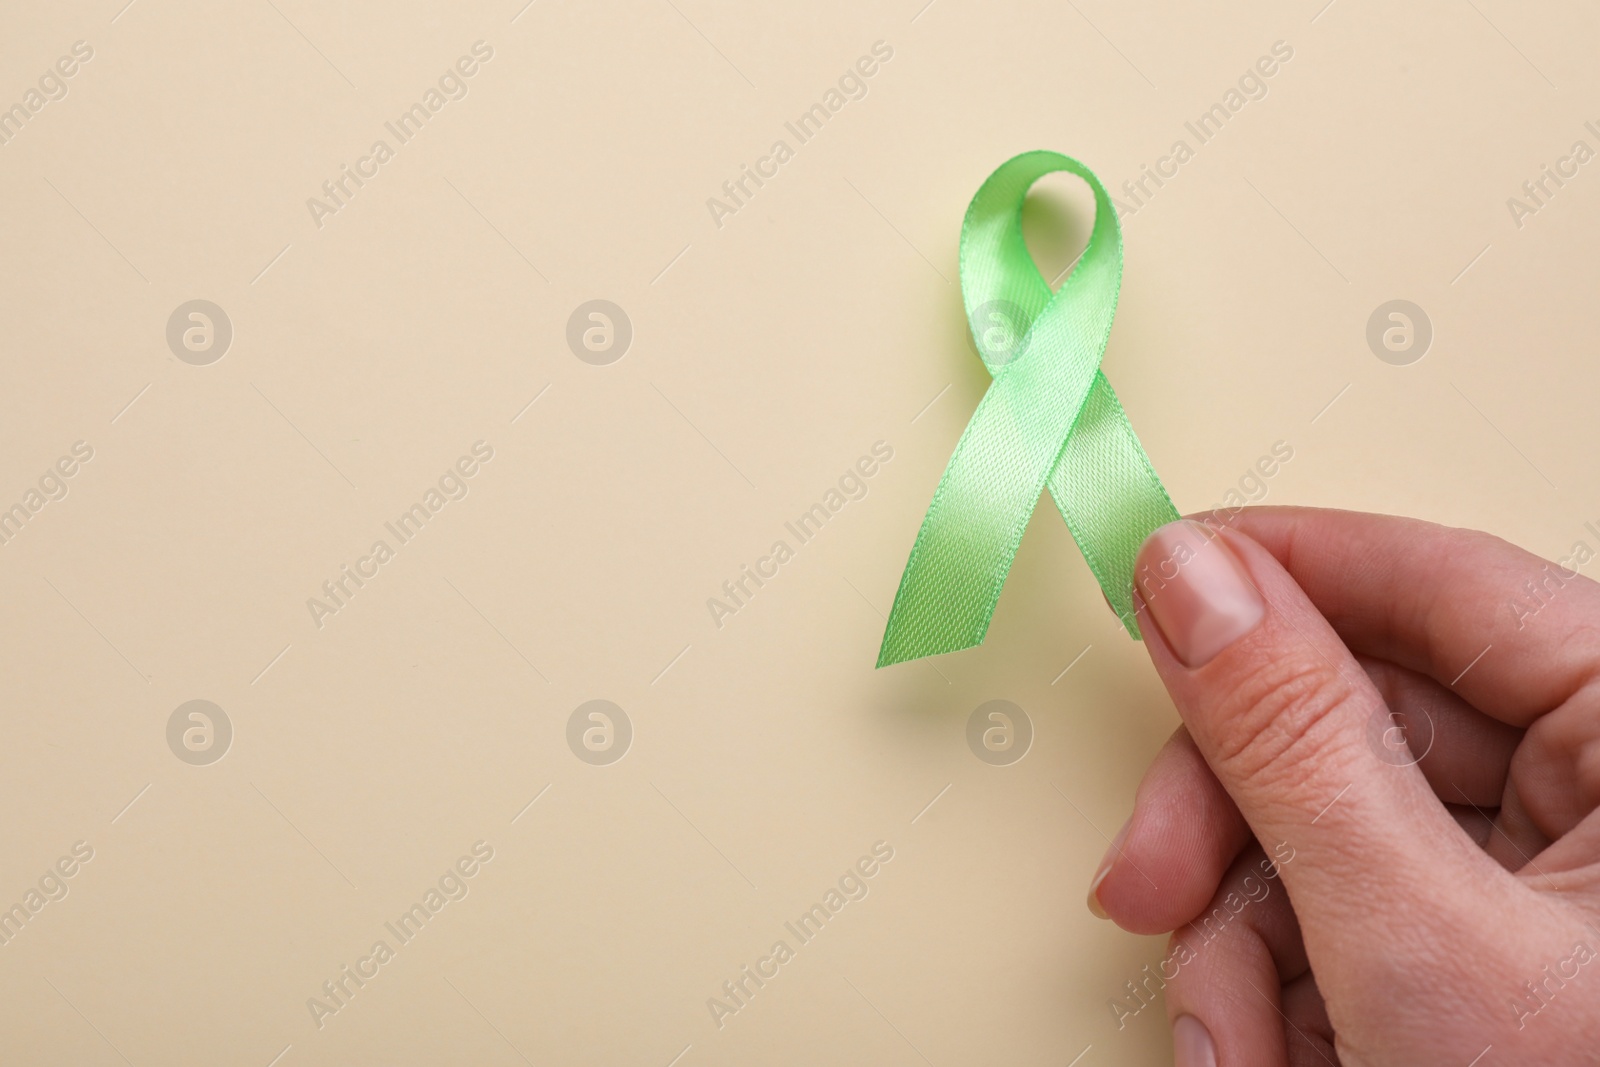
x: 903, y: 648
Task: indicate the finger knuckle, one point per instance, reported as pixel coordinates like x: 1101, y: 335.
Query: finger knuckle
x: 1283, y: 717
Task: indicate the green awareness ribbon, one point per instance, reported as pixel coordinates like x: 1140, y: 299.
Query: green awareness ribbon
x: 1048, y: 419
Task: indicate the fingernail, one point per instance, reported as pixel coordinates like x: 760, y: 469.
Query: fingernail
x: 1095, y: 907
x: 1197, y: 591
x: 1191, y: 1043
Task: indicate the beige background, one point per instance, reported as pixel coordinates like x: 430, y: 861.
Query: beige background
x: 767, y: 356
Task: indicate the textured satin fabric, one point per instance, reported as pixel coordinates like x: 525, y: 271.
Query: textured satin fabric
x: 1048, y: 420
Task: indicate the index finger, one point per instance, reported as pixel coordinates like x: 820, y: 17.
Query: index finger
x: 1513, y: 634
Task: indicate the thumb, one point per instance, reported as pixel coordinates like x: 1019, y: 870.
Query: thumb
x: 1283, y: 714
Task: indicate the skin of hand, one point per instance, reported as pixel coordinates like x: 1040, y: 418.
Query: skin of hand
x: 1375, y: 833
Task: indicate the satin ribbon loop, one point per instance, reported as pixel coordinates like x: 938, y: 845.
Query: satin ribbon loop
x: 1049, y: 419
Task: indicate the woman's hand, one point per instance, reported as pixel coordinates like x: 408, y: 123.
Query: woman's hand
x: 1375, y: 832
